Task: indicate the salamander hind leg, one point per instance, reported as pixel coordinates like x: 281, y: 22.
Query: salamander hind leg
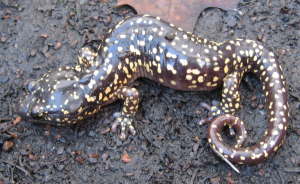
x: 230, y: 102
x: 125, y: 118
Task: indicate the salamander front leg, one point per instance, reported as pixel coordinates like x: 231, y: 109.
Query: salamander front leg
x: 125, y: 118
x: 86, y: 58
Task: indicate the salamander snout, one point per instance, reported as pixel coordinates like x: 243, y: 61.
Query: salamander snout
x: 23, y: 108
x: 56, y: 97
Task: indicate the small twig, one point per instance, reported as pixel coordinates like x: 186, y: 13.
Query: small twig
x: 27, y: 173
x: 8, y: 125
x: 292, y: 169
x: 227, y: 161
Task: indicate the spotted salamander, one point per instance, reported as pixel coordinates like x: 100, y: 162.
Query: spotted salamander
x: 145, y: 46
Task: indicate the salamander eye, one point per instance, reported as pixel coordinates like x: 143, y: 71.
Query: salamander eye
x: 31, y: 86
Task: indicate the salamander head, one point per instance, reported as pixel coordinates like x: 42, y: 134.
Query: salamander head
x: 57, y: 97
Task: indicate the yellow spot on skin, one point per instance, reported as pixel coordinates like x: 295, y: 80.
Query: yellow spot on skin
x: 227, y: 60
x: 200, y: 79
x: 195, y: 71
x: 90, y: 98
x: 183, y: 62
x: 265, y: 154
x: 189, y: 77
x: 215, y: 79
x: 225, y: 90
x: 217, y: 68
x: 125, y: 69
x: 109, y: 68
x: 226, y: 69
x: 228, y: 47
x: 158, y: 68
x: 107, y: 90
x: 100, y: 96
x: 105, y: 99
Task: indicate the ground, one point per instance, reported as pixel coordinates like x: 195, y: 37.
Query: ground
x: 170, y: 147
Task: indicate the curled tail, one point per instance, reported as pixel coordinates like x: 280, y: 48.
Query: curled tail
x: 262, y: 62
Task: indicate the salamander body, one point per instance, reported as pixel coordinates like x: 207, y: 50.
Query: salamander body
x: 145, y: 46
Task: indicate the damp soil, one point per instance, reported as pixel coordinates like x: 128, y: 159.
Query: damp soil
x: 169, y: 147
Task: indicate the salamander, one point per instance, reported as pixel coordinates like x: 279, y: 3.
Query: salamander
x: 145, y: 46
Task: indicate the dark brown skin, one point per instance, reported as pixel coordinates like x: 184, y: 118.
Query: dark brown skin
x: 145, y: 46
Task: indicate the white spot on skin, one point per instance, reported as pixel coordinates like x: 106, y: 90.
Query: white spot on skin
x: 183, y: 62
x: 157, y: 58
x: 139, y: 20
x: 150, y: 37
x: 154, y: 50
x: 131, y: 48
x: 120, y: 49
x: 109, y: 68
x: 96, y: 72
x: 122, y: 36
x: 142, y: 43
x: 275, y: 75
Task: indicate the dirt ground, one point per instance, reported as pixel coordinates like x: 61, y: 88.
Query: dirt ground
x: 36, y: 36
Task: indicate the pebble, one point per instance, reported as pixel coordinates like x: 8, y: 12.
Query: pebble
x: 7, y: 146
x: 92, y: 133
x: 3, y: 39
x: 57, y: 45
x: 44, y: 35
x: 33, y: 52
x: 92, y: 160
x: 261, y: 106
x: 105, y: 156
x: 60, y: 167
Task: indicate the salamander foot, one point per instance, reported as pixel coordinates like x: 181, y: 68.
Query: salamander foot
x: 124, y: 121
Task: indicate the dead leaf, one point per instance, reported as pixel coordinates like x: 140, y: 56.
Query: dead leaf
x: 182, y: 13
